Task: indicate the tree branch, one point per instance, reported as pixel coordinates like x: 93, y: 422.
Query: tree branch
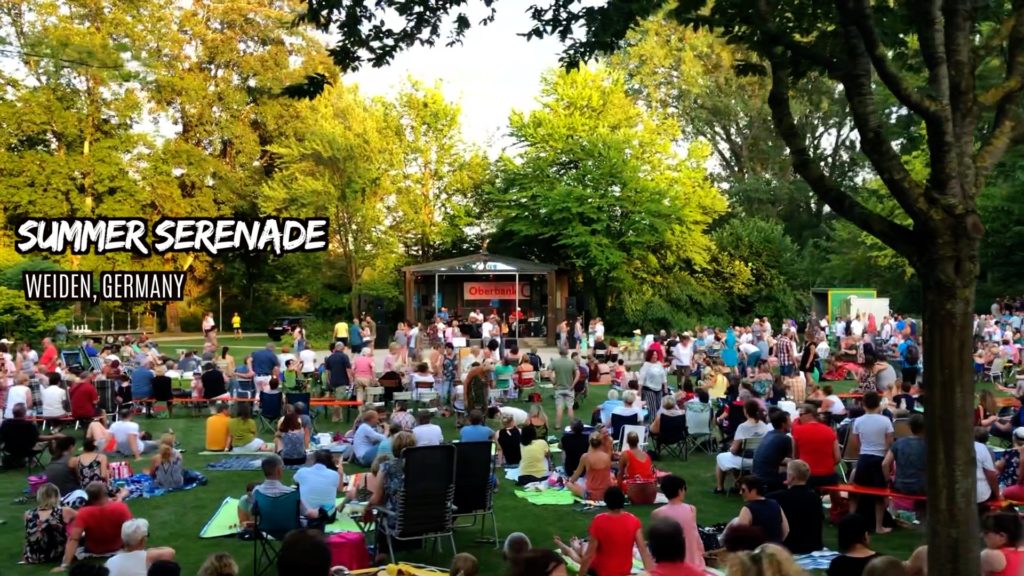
x: 876, y: 145
x: 1007, y: 133
x: 896, y: 236
x: 1014, y: 80
x: 920, y: 104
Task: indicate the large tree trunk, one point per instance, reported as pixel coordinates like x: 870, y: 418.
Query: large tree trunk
x: 172, y: 316
x: 948, y: 275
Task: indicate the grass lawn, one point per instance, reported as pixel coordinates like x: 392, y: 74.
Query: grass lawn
x: 176, y: 519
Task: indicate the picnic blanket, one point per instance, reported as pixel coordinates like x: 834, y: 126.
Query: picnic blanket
x: 240, y: 463
x: 224, y: 521
x: 815, y: 560
x: 547, y: 497
x: 141, y: 485
x: 239, y: 453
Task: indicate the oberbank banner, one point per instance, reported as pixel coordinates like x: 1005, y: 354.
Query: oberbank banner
x: 495, y: 291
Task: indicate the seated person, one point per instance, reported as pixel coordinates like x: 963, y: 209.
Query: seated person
x: 534, y: 465
x: 508, y: 438
x: 608, y: 406
x: 634, y: 462
x: 475, y: 431
x: 426, y: 433
x: 630, y: 406
x: 46, y: 527
x: 733, y: 460
x: 596, y: 468
x: 574, y: 445
x: 21, y: 439
x: 367, y: 439
x: 135, y: 558
x: 774, y: 451
x: 401, y: 416
x: 245, y: 520
x: 290, y: 440
x: 320, y: 484
x: 760, y: 512
x: 852, y: 540
x: 215, y: 386
x: 802, y: 507
x: 242, y: 431
x: 669, y: 409
x: 905, y: 400
x: 384, y: 448
x: 102, y: 519
x: 217, y: 433
x: 58, y: 470
x: 128, y: 439
x: 273, y: 471
x: 167, y: 469
x: 907, y: 455
x: 97, y: 430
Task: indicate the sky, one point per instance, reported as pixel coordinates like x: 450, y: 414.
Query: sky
x: 493, y: 72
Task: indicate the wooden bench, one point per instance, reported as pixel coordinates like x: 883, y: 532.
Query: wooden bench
x: 50, y: 421
x: 871, y: 491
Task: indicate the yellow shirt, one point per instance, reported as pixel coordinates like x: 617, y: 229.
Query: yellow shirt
x: 534, y: 462
x: 718, y: 388
x: 341, y: 330
x: 217, y: 431
x: 236, y: 321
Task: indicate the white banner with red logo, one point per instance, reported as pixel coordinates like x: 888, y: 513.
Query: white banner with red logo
x: 495, y: 291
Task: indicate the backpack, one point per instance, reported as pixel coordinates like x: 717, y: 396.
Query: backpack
x: 913, y: 354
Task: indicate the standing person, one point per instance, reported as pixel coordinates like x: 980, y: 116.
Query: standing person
x: 908, y: 454
x: 20, y: 393
x: 308, y: 369
x: 674, y: 488
x: 299, y: 338
x: 449, y: 374
x: 48, y: 361
x: 873, y: 432
x: 802, y: 508
x: 236, y: 325
x: 653, y: 381
x: 682, y: 359
x: 809, y: 360
x: 566, y: 372
x: 84, y: 399
x: 372, y: 327
x: 355, y: 336
x: 363, y: 370
x: 341, y: 332
x: 612, y: 537
x: 339, y: 374
x: 784, y: 353
x: 210, y: 328
x: 476, y: 385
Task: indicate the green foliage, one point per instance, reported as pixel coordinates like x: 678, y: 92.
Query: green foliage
x: 19, y: 319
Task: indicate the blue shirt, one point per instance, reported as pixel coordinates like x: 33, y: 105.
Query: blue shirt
x: 142, y: 383
x: 92, y: 353
x: 475, y: 433
x: 355, y: 337
x: 385, y: 447
x: 365, y: 439
x: 263, y: 362
x: 318, y: 486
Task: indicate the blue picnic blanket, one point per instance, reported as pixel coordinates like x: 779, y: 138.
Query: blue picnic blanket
x: 236, y: 463
x: 815, y: 560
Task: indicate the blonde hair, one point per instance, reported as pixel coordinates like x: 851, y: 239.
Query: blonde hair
x: 218, y: 564
x: 766, y: 560
x: 48, y: 497
x: 629, y: 396
x: 464, y: 565
x: 401, y: 441
x: 380, y: 459
x: 167, y: 447
x: 668, y: 402
x: 537, y: 411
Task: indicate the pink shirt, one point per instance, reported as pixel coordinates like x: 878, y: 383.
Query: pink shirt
x: 363, y: 367
x: 686, y: 516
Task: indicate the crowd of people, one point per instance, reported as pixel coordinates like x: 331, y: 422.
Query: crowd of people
x: 754, y: 382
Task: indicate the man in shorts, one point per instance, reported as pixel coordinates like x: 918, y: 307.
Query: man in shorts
x: 565, y: 375
x: 339, y: 374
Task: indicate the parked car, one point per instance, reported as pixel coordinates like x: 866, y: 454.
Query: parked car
x: 283, y: 325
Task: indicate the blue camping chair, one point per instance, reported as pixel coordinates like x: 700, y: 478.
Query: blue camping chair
x: 273, y: 516
x: 270, y: 410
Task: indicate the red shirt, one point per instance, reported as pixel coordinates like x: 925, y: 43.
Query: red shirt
x: 102, y: 526
x: 615, y: 535
x: 49, y: 360
x: 814, y: 445
x: 83, y: 400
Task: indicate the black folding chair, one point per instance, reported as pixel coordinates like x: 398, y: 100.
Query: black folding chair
x: 426, y: 499
x: 618, y: 421
x: 273, y: 517
x: 474, y: 490
x: 294, y: 398
x: 269, y: 411
x: 671, y: 436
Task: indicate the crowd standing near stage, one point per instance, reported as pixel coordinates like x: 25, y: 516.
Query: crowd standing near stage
x: 757, y: 396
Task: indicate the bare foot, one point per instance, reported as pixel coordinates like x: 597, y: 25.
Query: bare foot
x: 882, y: 530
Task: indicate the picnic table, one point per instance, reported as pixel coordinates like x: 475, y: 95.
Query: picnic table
x: 1007, y: 401
x: 871, y: 491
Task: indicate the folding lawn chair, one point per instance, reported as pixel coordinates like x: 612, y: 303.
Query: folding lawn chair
x: 641, y: 432
x: 295, y: 397
x: 671, y: 436
x: 618, y: 421
x: 274, y: 516
x: 270, y: 410
x: 474, y: 490
x: 849, y: 456
x: 425, y: 500
x: 698, y: 428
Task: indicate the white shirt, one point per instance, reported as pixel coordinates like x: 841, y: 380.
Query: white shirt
x: 53, y: 401
x: 518, y: 415
x: 486, y: 329
x: 283, y: 359
x: 308, y: 358
x: 599, y: 330
x: 746, y: 338
x: 128, y: 564
x: 872, y: 429
x: 318, y: 486
x: 823, y: 350
x: 747, y: 430
x: 121, y: 430
x: 857, y: 327
x: 17, y: 394
x: 748, y: 348
x: 428, y: 435
x: 983, y: 459
x: 837, y: 407
x: 652, y: 375
x: 682, y: 355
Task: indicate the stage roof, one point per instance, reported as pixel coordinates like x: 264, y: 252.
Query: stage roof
x: 482, y: 263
